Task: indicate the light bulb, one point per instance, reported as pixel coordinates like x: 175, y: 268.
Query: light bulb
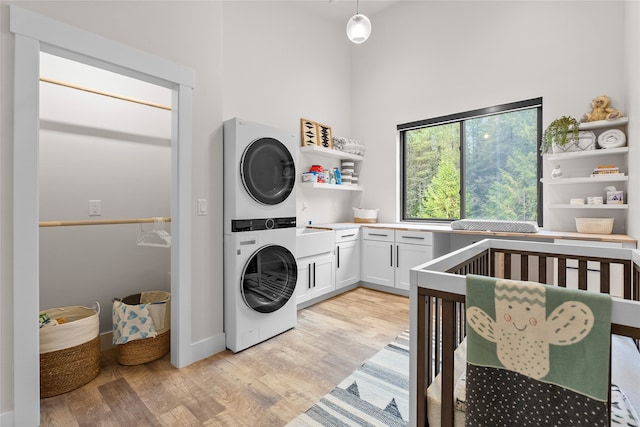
x: 358, y: 28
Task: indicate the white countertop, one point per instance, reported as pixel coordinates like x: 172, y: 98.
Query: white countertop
x: 445, y: 228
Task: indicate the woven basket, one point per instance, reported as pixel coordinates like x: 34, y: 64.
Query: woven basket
x: 70, y: 352
x: 137, y: 352
x: 147, y: 350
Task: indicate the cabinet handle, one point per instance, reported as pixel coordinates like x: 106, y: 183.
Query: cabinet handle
x: 348, y: 235
x: 378, y: 234
x: 413, y: 237
x: 309, y: 276
x: 314, y: 274
x: 338, y: 256
x: 391, y: 255
x: 397, y: 256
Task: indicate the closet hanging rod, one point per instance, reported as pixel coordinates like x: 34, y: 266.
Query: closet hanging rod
x: 99, y: 92
x: 102, y: 222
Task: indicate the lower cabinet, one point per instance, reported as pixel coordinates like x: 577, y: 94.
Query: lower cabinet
x: 316, y: 276
x: 347, y: 257
x: 389, y: 255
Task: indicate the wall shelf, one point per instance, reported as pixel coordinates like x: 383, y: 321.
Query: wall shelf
x: 604, y: 124
x: 585, y: 180
x: 587, y: 153
x: 329, y: 152
x: 603, y: 206
x: 332, y: 186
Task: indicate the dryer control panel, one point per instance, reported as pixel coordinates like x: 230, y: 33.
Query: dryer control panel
x: 258, y: 224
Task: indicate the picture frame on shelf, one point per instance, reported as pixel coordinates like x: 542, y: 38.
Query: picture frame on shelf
x: 325, y: 136
x: 308, y: 132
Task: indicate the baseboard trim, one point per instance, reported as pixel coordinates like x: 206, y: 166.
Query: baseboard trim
x: 6, y: 419
x: 208, y: 347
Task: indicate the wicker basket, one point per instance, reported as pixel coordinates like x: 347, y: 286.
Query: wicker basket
x: 594, y: 225
x: 69, y: 352
x: 137, y: 352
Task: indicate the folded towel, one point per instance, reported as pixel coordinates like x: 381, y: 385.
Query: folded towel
x: 612, y: 138
x: 536, y: 354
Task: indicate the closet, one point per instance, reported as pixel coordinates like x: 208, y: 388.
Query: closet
x: 104, y: 176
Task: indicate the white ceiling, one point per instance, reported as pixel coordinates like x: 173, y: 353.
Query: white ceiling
x: 342, y: 10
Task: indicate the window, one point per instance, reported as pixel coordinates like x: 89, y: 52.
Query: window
x: 481, y: 164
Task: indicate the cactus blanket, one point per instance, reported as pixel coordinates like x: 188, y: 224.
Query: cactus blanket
x: 536, y: 354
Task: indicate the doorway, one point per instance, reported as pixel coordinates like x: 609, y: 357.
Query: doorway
x: 35, y: 34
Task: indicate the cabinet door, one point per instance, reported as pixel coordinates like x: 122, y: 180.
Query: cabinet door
x: 323, y: 275
x: 409, y: 256
x: 304, y: 289
x: 377, y: 262
x: 347, y: 263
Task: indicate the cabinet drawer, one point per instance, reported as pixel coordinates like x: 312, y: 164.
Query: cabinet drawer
x: 379, y: 234
x: 347, y: 235
x: 414, y: 237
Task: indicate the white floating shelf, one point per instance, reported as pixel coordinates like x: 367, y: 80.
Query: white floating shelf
x: 587, y: 153
x: 585, y: 180
x: 603, y: 206
x: 601, y: 124
x: 322, y: 186
x: 329, y: 152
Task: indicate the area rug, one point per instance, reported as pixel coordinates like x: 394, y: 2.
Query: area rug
x: 376, y: 394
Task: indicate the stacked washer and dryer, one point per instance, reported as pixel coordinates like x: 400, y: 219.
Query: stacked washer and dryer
x: 260, y: 271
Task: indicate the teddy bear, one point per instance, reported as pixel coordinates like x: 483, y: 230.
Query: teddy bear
x: 601, y: 110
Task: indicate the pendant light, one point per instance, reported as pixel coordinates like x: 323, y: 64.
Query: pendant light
x: 358, y: 27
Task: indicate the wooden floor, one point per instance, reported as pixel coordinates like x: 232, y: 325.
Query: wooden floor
x: 266, y: 385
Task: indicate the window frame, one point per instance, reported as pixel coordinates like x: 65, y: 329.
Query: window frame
x: 461, y: 118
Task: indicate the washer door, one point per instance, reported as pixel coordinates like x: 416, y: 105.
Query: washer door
x: 269, y: 279
x: 268, y: 171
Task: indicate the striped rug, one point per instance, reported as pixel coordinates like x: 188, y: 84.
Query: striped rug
x: 376, y: 394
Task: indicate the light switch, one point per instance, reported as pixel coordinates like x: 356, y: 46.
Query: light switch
x: 203, y: 207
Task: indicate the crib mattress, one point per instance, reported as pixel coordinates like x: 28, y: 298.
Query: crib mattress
x: 625, y: 373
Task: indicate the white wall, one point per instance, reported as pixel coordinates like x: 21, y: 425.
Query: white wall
x: 119, y: 152
x: 429, y: 59
x: 281, y: 65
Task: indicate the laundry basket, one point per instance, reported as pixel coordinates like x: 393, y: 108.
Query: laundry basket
x: 69, y: 349
x: 143, y: 350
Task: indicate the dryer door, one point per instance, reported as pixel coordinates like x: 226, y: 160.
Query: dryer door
x: 269, y: 278
x: 268, y: 171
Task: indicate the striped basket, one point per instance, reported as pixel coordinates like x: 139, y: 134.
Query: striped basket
x: 70, y: 351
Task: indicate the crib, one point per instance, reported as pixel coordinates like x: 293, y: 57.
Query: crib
x: 438, y: 310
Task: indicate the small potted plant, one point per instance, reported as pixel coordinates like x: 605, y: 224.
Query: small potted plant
x: 560, y: 132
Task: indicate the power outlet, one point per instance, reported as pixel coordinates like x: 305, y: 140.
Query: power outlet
x: 95, y: 207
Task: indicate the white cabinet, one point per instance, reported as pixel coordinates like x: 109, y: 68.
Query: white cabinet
x: 388, y: 255
x: 332, y: 154
x: 347, y: 257
x: 315, y: 277
x: 576, y: 182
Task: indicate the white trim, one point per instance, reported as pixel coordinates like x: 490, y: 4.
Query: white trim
x: 208, y: 346
x: 35, y: 33
x: 26, y: 361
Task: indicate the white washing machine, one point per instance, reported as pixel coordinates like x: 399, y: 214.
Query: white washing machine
x: 260, y: 280
x: 259, y: 172
x: 260, y: 271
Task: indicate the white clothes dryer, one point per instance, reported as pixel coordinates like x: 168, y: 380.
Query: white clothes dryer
x: 259, y: 286
x: 259, y: 172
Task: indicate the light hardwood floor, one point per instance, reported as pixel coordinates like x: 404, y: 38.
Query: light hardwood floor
x: 266, y: 385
